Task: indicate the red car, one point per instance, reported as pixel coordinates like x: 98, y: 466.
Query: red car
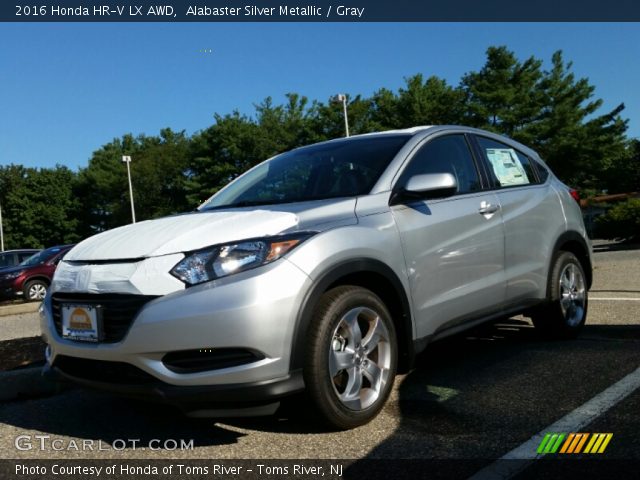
x: 31, y: 278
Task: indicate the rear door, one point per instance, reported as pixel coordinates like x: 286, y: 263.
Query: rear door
x: 531, y: 215
x: 454, y: 246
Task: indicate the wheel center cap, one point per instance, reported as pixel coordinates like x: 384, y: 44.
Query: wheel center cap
x: 360, y: 356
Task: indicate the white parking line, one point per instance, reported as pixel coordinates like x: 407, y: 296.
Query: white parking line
x: 614, y: 299
x: 520, y: 457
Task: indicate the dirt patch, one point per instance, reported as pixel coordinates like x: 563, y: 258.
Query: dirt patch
x: 21, y: 352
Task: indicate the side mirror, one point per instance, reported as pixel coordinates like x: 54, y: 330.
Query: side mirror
x: 430, y: 185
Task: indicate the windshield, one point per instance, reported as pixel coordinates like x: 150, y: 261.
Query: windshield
x: 343, y: 168
x: 40, y: 257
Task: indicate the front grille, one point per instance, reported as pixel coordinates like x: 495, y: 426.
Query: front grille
x: 206, y: 359
x: 118, y: 311
x: 102, y: 371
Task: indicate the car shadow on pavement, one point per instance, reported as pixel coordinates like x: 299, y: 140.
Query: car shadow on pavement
x: 475, y: 396
x: 82, y: 414
x: 472, y: 396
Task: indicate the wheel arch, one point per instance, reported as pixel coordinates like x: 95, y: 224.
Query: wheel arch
x: 37, y: 277
x: 575, y: 243
x: 372, y: 275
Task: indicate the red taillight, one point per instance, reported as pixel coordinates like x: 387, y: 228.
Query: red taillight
x: 574, y: 193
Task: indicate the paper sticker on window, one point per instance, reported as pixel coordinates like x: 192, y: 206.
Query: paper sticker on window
x: 507, y: 166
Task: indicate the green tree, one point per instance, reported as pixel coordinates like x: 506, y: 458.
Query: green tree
x: 430, y: 102
x: 505, y: 95
x: 551, y: 111
x: 159, y: 170
x: 576, y: 142
x: 220, y: 153
x: 623, y: 174
x: 38, y: 205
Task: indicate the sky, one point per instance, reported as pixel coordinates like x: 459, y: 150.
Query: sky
x: 66, y: 89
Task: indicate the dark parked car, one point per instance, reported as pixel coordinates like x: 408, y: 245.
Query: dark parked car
x: 31, y: 278
x: 11, y: 258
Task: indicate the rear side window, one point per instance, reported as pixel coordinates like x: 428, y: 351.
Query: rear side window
x: 509, y: 167
x: 449, y: 154
x: 6, y: 260
x: 543, y: 173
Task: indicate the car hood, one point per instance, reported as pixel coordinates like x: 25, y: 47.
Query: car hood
x: 183, y: 233
x: 15, y: 268
x: 180, y: 233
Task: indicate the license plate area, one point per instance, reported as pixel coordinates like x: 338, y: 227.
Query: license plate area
x: 82, y: 323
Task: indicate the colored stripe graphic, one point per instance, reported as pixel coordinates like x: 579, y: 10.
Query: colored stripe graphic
x: 581, y: 444
x: 543, y: 443
x: 590, y: 444
x: 574, y: 443
x: 606, y: 442
x: 567, y: 443
x: 558, y: 442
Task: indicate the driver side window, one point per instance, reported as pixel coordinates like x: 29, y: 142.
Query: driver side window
x: 448, y: 154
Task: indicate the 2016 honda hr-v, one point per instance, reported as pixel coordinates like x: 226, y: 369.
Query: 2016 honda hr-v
x: 326, y: 268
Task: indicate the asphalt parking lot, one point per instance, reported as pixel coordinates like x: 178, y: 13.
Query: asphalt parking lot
x: 471, y: 398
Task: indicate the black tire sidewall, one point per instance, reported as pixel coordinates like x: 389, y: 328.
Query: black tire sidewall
x: 550, y: 320
x: 27, y: 287
x: 328, y: 313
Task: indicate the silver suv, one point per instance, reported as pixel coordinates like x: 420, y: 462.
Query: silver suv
x: 325, y: 269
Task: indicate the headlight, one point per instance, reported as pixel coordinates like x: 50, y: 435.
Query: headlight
x: 222, y: 260
x: 12, y: 275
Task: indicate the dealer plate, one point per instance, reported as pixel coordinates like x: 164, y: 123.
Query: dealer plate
x: 81, y: 322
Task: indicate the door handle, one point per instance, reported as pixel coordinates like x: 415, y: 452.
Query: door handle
x: 487, y: 208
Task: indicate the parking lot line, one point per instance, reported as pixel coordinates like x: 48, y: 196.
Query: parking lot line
x: 614, y: 299
x: 522, y: 456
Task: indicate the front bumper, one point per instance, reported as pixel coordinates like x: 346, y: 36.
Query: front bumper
x: 246, y: 396
x: 10, y: 288
x: 254, y: 310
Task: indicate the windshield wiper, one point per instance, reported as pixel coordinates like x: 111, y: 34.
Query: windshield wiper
x: 253, y: 203
x: 248, y: 203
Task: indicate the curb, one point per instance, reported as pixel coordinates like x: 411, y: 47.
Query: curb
x: 19, y: 308
x: 27, y: 383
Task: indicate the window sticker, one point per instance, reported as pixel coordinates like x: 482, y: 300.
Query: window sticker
x: 507, y: 166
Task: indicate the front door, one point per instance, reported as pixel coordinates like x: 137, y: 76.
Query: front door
x: 454, y: 246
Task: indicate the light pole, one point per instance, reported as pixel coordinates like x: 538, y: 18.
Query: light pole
x: 127, y: 159
x: 1, y: 232
x: 341, y: 97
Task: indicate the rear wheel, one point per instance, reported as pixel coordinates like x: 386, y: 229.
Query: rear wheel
x: 351, y: 359
x: 35, y: 290
x: 566, y: 311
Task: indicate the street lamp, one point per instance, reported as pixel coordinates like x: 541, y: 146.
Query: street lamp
x: 127, y: 159
x: 341, y: 97
x: 1, y: 233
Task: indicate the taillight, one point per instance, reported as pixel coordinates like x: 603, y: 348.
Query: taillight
x: 575, y: 195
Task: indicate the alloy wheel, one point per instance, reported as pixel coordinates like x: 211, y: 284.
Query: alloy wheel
x: 37, y: 291
x: 359, y: 358
x: 572, y: 294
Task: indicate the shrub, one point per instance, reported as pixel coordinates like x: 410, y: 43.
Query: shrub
x: 622, y: 222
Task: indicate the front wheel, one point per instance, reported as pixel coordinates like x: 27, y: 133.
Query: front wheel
x: 35, y: 291
x: 565, y: 313
x: 351, y: 359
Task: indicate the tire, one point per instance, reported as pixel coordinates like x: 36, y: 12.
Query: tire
x: 565, y: 312
x: 349, y: 380
x: 35, y: 290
